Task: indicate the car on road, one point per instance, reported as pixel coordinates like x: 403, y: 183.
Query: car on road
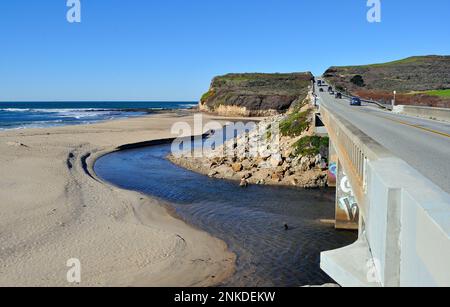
x: 338, y: 96
x: 321, y: 90
x: 355, y: 101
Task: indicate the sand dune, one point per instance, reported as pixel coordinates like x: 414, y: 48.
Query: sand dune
x: 51, y: 210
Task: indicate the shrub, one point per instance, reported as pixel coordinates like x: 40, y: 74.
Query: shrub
x: 340, y: 88
x: 298, y: 104
x: 358, y: 81
x: 207, y: 95
x: 295, y: 124
x: 312, y: 146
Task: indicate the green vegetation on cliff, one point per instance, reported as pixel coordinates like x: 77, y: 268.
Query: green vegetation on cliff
x: 311, y: 146
x: 257, y: 92
x: 295, y: 124
x: 207, y: 95
x: 410, y: 60
x: 298, y: 121
x: 439, y: 93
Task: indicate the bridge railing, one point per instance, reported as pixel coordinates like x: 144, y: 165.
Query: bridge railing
x: 354, y: 149
x: 380, y: 104
x: 405, y: 218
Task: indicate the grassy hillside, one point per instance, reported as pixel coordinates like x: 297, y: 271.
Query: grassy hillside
x: 439, y: 93
x: 256, y: 93
x: 418, y: 80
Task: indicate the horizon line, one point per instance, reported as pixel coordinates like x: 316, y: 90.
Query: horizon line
x: 55, y: 101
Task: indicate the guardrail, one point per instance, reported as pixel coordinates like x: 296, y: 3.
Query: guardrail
x: 442, y: 114
x: 378, y: 103
x: 405, y: 226
x: 381, y: 105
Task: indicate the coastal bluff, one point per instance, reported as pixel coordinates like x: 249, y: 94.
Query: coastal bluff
x: 418, y: 81
x: 255, y: 94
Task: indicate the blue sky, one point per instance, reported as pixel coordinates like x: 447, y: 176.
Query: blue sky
x: 170, y: 49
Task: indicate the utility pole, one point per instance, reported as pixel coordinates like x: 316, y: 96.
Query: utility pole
x: 393, y: 101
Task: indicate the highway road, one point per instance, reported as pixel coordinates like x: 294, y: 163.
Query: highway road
x: 424, y: 144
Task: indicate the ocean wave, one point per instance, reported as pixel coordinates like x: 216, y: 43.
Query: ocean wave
x: 34, y: 124
x: 83, y: 114
x: 29, y: 117
x: 14, y: 110
x: 74, y: 113
x: 51, y: 110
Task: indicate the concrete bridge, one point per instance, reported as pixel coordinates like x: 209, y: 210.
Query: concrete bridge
x: 392, y: 176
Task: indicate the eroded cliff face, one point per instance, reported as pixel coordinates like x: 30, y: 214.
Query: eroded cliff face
x: 255, y: 94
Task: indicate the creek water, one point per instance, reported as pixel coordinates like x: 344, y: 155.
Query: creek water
x: 250, y: 220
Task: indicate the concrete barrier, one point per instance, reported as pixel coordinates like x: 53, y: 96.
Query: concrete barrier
x: 425, y: 112
x: 404, y: 226
x: 407, y: 226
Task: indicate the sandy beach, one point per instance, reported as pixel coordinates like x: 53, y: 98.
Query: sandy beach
x: 51, y: 210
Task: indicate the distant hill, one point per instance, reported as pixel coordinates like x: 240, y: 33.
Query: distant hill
x: 255, y: 94
x: 420, y: 80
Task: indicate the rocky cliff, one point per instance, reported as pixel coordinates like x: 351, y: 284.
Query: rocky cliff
x: 421, y: 80
x: 255, y: 94
x: 287, y: 153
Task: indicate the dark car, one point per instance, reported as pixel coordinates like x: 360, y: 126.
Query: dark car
x: 338, y: 96
x: 355, y: 101
x: 321, y: 90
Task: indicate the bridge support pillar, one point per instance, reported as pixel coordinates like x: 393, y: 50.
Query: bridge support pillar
x: 347, y: 210
x: 332, y: 165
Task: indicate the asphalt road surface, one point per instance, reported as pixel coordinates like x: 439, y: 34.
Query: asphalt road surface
x: 424, y: 144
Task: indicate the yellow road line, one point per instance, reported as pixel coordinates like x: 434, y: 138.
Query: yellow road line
x: 415, y: 126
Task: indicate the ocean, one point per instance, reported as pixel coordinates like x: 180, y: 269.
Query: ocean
x: 20, y: 115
